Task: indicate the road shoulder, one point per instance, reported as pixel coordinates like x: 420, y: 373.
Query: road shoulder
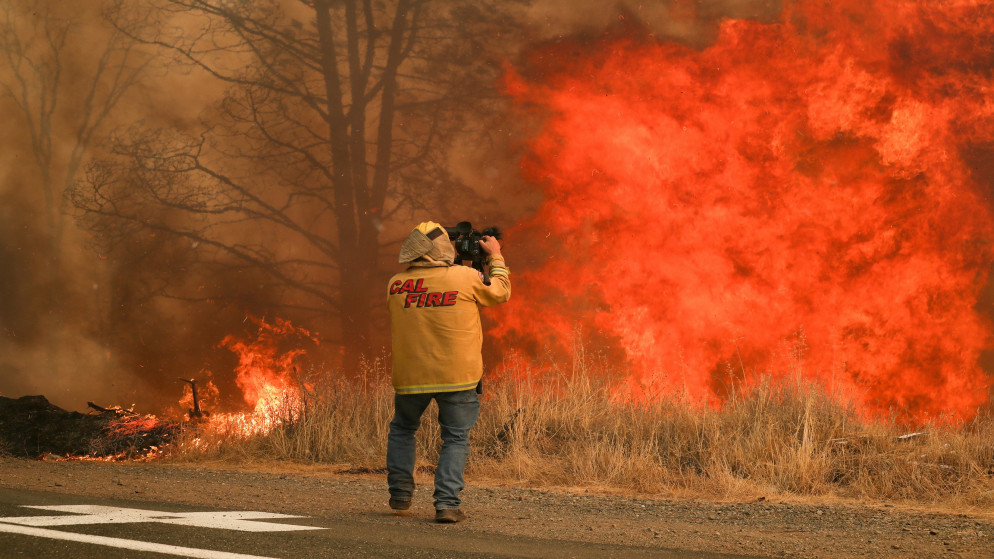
x: 755, y: 528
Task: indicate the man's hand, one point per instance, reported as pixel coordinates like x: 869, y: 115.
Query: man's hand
x: 491, y: 246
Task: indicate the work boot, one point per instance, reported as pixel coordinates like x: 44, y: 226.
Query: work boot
x: 449, y: 516
x: 399, y: 504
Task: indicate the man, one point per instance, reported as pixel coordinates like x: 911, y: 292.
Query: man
x: 435, y: 324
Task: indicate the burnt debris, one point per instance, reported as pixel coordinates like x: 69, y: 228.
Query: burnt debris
x: 32, y: 427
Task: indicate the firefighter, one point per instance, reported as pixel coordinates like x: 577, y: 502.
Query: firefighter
x: 437, y: 337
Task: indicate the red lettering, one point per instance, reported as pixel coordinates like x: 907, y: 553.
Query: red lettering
x: 409, y: 286
x: 424, y: 299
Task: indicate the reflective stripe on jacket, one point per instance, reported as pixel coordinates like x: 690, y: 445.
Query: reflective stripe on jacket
x: 435, y: 324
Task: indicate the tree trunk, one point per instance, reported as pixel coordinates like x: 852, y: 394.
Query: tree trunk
x: 354, y: 320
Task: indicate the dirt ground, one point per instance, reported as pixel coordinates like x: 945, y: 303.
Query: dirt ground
x: 760, y: 527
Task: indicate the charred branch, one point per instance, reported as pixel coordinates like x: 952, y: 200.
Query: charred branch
x: 195, y: 412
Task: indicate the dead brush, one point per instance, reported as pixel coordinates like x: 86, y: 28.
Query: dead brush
x: 567, y: 429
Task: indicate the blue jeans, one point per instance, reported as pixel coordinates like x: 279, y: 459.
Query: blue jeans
x: 457, y: 413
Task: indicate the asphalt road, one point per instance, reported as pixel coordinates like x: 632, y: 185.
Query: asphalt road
x: 40, y: 525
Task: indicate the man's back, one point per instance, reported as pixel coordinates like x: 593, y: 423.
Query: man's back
x: 435, y: 325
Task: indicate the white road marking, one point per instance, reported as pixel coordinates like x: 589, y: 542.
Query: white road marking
x: 126, y: 544
x: 241, y: 520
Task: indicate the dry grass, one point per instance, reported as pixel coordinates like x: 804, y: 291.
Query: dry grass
x: 567, y: 430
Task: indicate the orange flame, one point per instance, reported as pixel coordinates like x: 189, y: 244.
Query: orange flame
x: 268, y: 376
x: 820, y: 185
x: 266, y: 368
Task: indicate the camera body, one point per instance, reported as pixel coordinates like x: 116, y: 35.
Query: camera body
x: 467, y: 244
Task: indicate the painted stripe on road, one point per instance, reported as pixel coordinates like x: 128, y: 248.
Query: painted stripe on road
x: 242, y: 520
x: 133, y: 545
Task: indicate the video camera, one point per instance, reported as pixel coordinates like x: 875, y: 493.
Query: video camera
x: 467, y: 241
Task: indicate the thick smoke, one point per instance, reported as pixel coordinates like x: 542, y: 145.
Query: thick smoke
x: 66, y: 332
x: 113, y: 311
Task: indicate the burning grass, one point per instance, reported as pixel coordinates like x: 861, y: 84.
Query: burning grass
x: 566, y: 429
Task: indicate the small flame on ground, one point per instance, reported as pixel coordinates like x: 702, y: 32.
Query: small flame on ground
x: 268, y: 374
x: 267, y: 365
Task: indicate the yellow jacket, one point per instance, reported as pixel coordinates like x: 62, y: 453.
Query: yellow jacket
x: 435, y: 324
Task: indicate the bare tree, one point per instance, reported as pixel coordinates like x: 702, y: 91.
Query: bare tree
x: 338, y: 117
x: 64, y: 71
